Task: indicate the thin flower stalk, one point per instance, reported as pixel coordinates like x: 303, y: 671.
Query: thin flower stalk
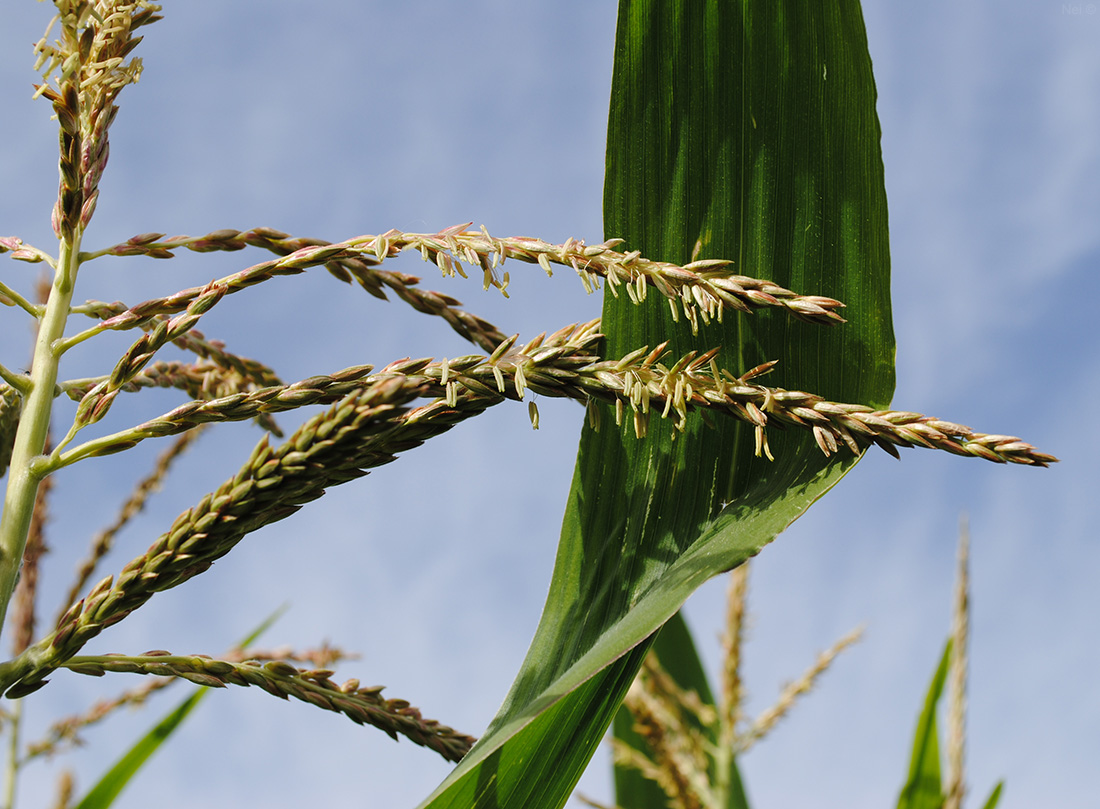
x: 21, y: 251
x: 224, y: 374
x: 324, y: 656
x: 9, y: 297
x: 694, y: 382
x: 550, y: 358
x: 700, y: 289
x: 360, y: 268
x: 955, y: 786
x: 253, y: 371
x: 676, y: 727
x: 195, y: 342
x: 19, y: 382
x: 66, y: 732
x: 584, y: 799
x: 638, y: 380
x: 64, y: 790
x: 12, y: 759
x: 732, y: 641
x: 365, y: 706
x: 241, y: 406
x: 769, y: 718
x: 97, y: 402
x: 202, y: 381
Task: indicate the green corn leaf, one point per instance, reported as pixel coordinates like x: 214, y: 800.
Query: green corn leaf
x: 994, y: 797
x: 675, y: 648
x: 737, y: 130
x: 115, y: 779
x: 111, y: 784
x: 924, y: 787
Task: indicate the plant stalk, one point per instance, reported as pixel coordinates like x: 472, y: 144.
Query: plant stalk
x: 30, y: 439
x: 13, y: 756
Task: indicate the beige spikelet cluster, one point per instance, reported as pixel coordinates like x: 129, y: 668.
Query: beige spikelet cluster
x: 639, y: 381
x: 66, y: 732
x: 84, y: 70
x: 365, y: 706
x: 672, y: 723
x: 686, y: 742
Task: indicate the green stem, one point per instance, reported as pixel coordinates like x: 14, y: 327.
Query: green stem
x: 17, y: 381
x: 34, y: 423
x: 13, y: 756
x: 20, y: 301
x: 723, y: 757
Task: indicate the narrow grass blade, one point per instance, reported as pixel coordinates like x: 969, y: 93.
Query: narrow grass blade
x: 994, y: 797
x: 924, y: 788
x: 115, y: 779
x: 744, y: 131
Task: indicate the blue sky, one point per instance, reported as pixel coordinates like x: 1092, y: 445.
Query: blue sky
x: 337, y: 119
